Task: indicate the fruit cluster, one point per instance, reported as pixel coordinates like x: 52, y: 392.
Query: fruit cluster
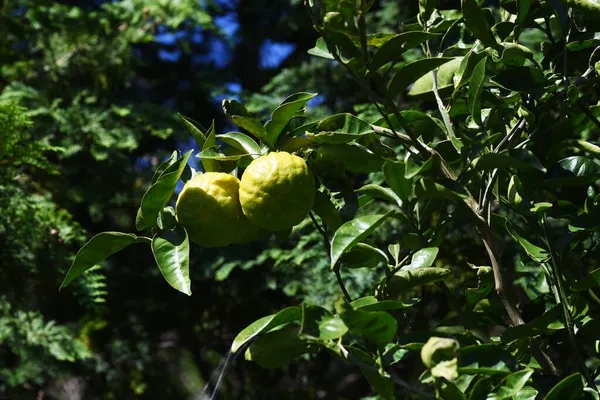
x: 275, y: 193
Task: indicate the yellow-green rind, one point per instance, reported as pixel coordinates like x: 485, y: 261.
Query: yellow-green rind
x: 209, y: 208
x: 277, y: 191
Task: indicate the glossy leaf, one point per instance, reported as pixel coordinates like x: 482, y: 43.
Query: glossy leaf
x: 394, y: 47
x: 574, y: 171
x: 341, y: 128
x: 353, y: 232
x: 97, y: 249
x: 283, y: 114
x: 394, y: 173
x: 511, y: 385
x: 570, y: 388
x: 196, y: 133
x: 478, y: 80
x: 264, y: 325
x: 476, y: 21
x: 412, y: 71
x: 241, y: 142
x: 212, y: 153
x: 423, y: 258
x: 171, y: 251
x: 378, y: 192
x: 159, y: 194
x: 278, y: 348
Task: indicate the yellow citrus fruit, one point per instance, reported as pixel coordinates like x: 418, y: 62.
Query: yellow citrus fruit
x: 277, y: 191
x: 209, y: 209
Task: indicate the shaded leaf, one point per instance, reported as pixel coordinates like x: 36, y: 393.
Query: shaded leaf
x: 383, y: 385
x: 379, y: 192
x: 511, y: 385
x: 327, y: 211
x: 476, y: 21
x: 486, y: 359
x: 321, y: 50
x: 570, y: 388
x: 278, y: 348
x: 394, y: 173
x: 376, y: 326
x: 476, y: 89
x: 398, y: 44
x: 408, y: 278
x: 589, y: 281
x: 517, y: 158
x: 193, y: 129
x: 370, y: 303
x: 412, y: 71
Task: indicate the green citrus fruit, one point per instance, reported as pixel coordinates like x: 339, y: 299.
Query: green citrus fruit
x: 277, y: 191
x: 209, y: 209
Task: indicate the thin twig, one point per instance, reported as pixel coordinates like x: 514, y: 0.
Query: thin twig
x: 338, y: 276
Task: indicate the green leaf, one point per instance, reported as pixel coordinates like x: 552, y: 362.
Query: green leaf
x: 486, y: 359
x: 353, y: 232
x: 164, y: 166
x: 412, y: 71
x: 538, y: 254
x: 413, y: 169
x: 574, y: 171
x: 444, y: 189
x: 589, y: 281
x: 210, y: 164
x: 363, y: 255
x: 548, y: 322
x: 212, y: 153
x: 485, y: 284
x: 283, y: 114
x: 370, y: 303
x: 376, y: 326
x: 523, y: 7
x: 522, y: 79
x: 397, y: 45
x: 326, y: 210
x: 449, y: 391
x: 318, y: 323
x: 196, y: 133
x: 423, y: 258
x: 426, y: 8
x: 341, y: 128
x: 378, y: 192
x: 570, y: 388
x: 278, y: 348
x: 476, y: 89
x: 511, y: 385
x: 408, y: 278
x: 265, y: 324
x: 517, y: 158
x: 159, y: 194
x: 445, y: 79
x: 321, y: 50
x: 171, y: 251
x: 241, y: 142
x: 97, y: 249
x: 238, y: 114
x: 476, y: 21
x: 383, y: 385
x: 394, y: 173
x: 440, y: 356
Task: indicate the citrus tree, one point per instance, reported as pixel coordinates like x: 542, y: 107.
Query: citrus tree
x: 506, y: 156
